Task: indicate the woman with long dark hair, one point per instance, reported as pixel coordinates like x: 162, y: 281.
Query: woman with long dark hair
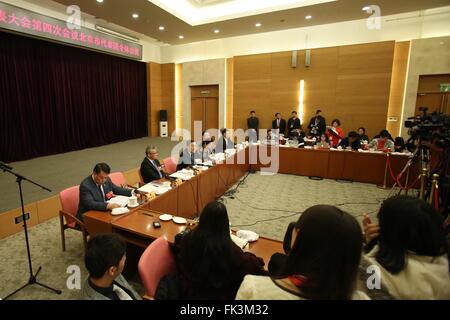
x: 410, y: 248
x: 322, y: 263
x: 210, y: 265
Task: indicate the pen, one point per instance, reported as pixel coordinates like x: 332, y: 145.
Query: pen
x: 147, y: 214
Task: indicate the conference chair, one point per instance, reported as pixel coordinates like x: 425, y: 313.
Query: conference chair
x: 156, y: 262
x: 118, y: 179
x: 141, y: 180
x: 69, y: 199
x: 170, y: 164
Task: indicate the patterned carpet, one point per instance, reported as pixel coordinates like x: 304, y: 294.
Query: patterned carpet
x: 258, y: 198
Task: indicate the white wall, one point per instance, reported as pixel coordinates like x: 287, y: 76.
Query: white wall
x: 204, y: 73
x: 414, y: 25
x: 427, y: 56
x: 150, y: 51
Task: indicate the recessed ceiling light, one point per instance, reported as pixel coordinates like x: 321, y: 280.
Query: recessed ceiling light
x: 100, y: 1
x: 308, y: 17
x: 161, y: 28
x: 135, y: 15
x: 216, y: 31
x: 258, y: 24
x: 366, y: 8
x: 180, y: 37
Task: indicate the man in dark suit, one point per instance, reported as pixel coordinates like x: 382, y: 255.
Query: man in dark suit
x: 253, y: 126
x: 151, y: 169
x: 279, y: 123
x: 224, y: 141
x: 294, y: 125
x: 98, y: 188
x: 352, y: 140
x: 188, y: 156
x: 317, y: 125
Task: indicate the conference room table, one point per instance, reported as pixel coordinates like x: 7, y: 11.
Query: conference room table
x: 355, y: 166
x: 188, y: 199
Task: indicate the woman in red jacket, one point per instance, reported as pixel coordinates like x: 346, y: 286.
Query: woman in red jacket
x: 335, y: 133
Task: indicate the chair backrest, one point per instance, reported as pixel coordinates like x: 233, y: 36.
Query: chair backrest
x: 170, y: 164
x: 69, y: 199
x: 118, y: 178
x: 156, y: 262
x: 141, y: 180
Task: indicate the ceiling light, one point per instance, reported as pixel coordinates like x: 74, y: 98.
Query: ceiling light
x: 100, y: 1
x: 135, y: 15
x: 161, y: 28
x: 216, y: 31
x: 366, y: 8
x: 180, y: 37
x: 258, y: 25
x: 308, y: 17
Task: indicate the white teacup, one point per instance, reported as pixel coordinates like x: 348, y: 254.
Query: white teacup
x: 132, y: 201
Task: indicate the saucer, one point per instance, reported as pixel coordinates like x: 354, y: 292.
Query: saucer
x: 179, y: 220
x: 136, y: 205
x: 165, y: 217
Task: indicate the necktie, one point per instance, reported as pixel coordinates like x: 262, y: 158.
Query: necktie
x: 192, y: 158
x: 154, y: 164
x: 101, y: 192
x: 278, y: 123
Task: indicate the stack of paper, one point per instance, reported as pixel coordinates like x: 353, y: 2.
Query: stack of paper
x: 239, y: 242
x: 120, y: 200
x: 183, y: 174
x: 148, y: 188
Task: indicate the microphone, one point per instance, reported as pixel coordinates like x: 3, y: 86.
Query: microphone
x: 6, y: 166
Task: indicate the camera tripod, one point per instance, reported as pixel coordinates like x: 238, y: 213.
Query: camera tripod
x: 421, y: 154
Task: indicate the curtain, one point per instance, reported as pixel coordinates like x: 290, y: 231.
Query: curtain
x: 56, y: 98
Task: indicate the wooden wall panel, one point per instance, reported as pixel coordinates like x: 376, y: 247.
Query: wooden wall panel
x: 7, y: 225
x: 363, y: 86
x: 168, y: 93
x: 351, y: 83
x: 48, y: 208
x: 398, y: 81
x: 155, y: 94
x: 230, y: 94
x: 161, y: 93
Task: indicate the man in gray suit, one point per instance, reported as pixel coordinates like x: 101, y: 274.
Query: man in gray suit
x: 97, y: 189
x: 105, y: 259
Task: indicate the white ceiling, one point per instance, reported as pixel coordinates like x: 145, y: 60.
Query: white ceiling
x: 198, y: 12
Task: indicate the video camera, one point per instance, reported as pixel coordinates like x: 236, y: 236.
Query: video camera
x: 428, y: 127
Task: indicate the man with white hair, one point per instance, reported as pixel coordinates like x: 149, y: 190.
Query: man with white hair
x: 151, y: 169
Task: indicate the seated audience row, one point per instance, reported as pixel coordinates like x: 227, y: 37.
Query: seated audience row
x: 324, y: 259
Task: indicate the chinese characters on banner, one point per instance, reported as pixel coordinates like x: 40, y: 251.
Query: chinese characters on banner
x: 24, y: 21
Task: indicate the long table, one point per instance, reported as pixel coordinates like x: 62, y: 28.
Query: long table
x: 363, y: 167
x: 188, y: 199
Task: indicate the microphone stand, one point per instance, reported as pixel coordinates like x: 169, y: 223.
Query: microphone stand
x: 32, y: 279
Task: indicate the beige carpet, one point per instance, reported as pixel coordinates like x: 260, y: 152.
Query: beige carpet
x: 61, y: 171
x: 256, y: 200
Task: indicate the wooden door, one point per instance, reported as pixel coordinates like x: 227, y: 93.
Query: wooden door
x: 205, y: 107
x: 435, y: 102
x: 197, y: 113
x: 212, y: 113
